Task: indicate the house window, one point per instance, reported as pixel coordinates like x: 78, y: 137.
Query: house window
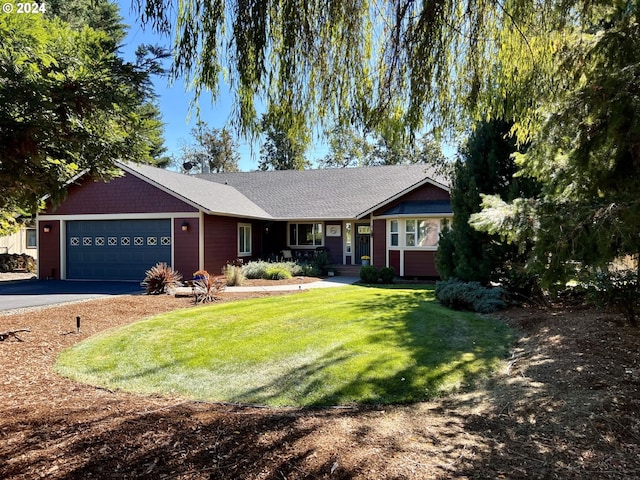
x: 31, y: 238
x: 305, y: 234
x: 244, y: 239
x: 394, y: 233
x: 422, y: 233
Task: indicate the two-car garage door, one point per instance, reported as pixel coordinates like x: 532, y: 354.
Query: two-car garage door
x: 116, y: 249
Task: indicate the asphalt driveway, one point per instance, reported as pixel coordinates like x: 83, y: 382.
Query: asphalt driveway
x: 37, y: 293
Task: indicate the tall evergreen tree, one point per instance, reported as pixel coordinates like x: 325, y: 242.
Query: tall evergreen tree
x: 485, y: 166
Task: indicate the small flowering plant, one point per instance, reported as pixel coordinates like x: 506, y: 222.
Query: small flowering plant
x: 365, y: 257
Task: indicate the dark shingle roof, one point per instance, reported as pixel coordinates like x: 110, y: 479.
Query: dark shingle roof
x: 213, y: 199
x: 327, y: 193
x: 291, y: 194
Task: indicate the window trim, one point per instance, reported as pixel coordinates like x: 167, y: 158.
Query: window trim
x: 313, y: 245
x: 402, y: 232
x: 394, y: 234
x: 247, y: 228
x: 34, y: 234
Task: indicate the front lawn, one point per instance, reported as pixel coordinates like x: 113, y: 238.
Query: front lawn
x: 322, y: 347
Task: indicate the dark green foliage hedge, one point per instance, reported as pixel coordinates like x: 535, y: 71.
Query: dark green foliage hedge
x: 369, y: 274
x: 618, y: 290
x: 459, y: 295
x: 387, y: 274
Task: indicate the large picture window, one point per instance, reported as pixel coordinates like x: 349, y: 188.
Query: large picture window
x: 422, y: 232
x: 244, y: 239
x: 413, y: 233
x: 305, y: 234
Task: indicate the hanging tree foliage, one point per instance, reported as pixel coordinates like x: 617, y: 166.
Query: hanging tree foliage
x: 566, y: 72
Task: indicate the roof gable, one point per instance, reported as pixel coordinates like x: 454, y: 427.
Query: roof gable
x: 213, y: 199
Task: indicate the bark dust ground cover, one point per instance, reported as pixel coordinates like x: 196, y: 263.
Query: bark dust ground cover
x: 565, y: 406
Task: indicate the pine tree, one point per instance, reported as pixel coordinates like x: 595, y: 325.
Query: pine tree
x: 485, y: 166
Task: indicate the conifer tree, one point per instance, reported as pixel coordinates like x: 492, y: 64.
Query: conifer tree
x: 485, y: 166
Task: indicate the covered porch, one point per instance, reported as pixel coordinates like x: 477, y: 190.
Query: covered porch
x: 345, y: 241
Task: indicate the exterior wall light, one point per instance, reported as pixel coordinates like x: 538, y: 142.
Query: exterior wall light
x: 46, y: 228
x: 184, y: 227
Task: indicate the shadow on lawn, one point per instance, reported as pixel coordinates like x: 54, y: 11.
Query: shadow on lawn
x: 547, y: 420
x: 438, y: 352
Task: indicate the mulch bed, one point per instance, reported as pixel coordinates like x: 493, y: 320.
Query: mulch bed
x: 566, y: 406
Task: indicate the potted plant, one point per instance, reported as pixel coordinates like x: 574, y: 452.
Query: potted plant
x: 365, y: 260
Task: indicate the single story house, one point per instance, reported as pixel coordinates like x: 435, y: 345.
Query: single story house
x: 119, y: 229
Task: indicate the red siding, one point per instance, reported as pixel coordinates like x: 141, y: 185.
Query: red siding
x: 127, y: 194
x: 221, y: 241
x: 379, y: 254
x: 220, y: 246
x: 394, y: 260
x: 49, y: 250
x: 420, y: 264
x: 185, y: 247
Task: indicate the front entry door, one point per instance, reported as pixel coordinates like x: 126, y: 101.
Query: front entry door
x: 363, y: 241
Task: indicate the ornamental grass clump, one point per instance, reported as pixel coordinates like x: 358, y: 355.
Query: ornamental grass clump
x: 160, y: 279
x: 277, y: 273
x: 234, y: 275
x: 206, y: 287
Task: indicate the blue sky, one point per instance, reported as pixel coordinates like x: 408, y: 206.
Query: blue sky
x: 174, y: 100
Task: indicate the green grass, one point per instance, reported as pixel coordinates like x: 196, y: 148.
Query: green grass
x: 322, y: 347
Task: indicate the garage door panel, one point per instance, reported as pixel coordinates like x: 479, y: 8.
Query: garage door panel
x: 116, y: 249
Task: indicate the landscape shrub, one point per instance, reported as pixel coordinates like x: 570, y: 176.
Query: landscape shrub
x: 459, y: 295
x: 206, y: 287
x: 234, y: 274
x: 521, y: 284
x: 14, y: 262
x: 618, y: 290
x: 387, y: 274
x: 261, y: 269
x: 160, y: 279
x: 255, y: 269
x: 277, y: 272
x: 321, y: 262
x: 369, y: 274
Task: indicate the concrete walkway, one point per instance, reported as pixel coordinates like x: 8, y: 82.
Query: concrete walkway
x: 329, y: 282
